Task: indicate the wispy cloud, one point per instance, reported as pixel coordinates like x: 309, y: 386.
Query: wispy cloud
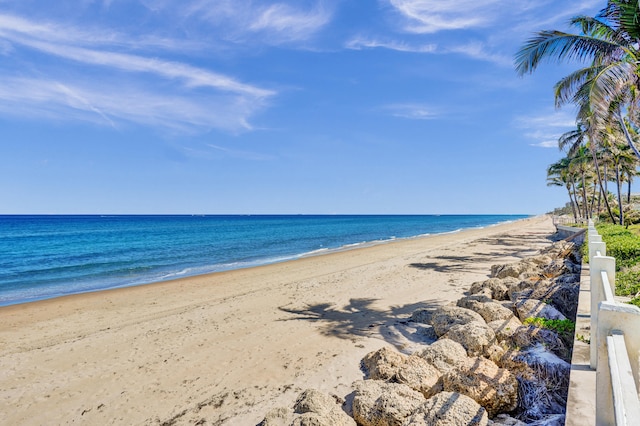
x: 430, y: 16
x: 475, y: 50
x: 269, y: 24
x: 480, y: 51
x: 183, y: 95
x: 545, y: 130
x: 359, y: 43
x: 67, y: 100
x: 412, y: 111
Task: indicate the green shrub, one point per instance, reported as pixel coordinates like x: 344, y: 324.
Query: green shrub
x: 565, y: 326
x: 624, y: 245
x: 621, y: 244
x: 628, y: 282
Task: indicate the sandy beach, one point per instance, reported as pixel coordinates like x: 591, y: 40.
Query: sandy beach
x: 224, y: 348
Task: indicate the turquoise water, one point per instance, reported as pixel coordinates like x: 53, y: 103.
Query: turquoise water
x: 48, y: 256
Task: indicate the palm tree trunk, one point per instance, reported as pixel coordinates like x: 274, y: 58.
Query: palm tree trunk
x: 606, y: 201
x: 619, y: 187
x: 626, y: 134
x: 575, y: 197
x: 573, y: 205
x: 593, y: 198
x: 585, y: 199
x: 629, y: 190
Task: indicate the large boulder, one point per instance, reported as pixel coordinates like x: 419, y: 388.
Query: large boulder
x: 312, y: 408
x: 534, y: 308
x: 560, y: 267
x: 504, y: 329
x: 383, y: 363
x: 378, y: 403
x: 449, y: 409
x: 495, y: 388
x: 524, y: 268
x: 498, y: 287
x: 448, y: 316
x: 541, y: 259
x: 475, y: 337
x: 316, y: 409
x: 277, y: 417
x: 444, y: 354
x: 488, y: 309
x: 422, y: 316
x: 413, y: 371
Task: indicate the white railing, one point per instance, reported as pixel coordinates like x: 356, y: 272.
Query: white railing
x: 615, y: 341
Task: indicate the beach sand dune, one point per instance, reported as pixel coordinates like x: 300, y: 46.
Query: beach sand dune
x: 224, y: 348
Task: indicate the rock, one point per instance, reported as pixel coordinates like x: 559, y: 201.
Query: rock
x: 378, y: 403
x: 494, y: 388
x: 383, y: 364
x: 312, y: 408
x: 495, y: 353
x: 541, y: 260
x: 504, y: 329
x: 525, y: 289
x: 559, y: 267
x: 475, y: 337
x: 422, y: 316
x: 277, y: 417
x: 515, y: 270
x: 486, y: 307
x: 562, y: 249
x: 318, y: 409
x: 413, y: 371
x: 507, y: 420
x: 419, y: 375
x: 448, y: 409
x: 444, y: 354
x: 534, y: 308
x: 497, y: 286
x: 447, y: 316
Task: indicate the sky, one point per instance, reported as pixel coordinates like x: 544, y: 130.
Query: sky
x: 278, y: 107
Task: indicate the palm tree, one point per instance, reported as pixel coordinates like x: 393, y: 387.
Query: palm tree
x: 617, y: 154
x: 559, y: 174
x: 581, y: 163
x: 582, y: 136
x: 610, y: 44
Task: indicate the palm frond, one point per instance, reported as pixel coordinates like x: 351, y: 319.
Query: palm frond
x: 624, y: 14
x: 611, y: 84
x: 565, y: 90
x: 561, y: 46
x: 571, y: 139
x: 594, y: 27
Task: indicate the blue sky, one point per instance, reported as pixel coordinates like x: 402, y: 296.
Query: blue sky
x: 305, y: 106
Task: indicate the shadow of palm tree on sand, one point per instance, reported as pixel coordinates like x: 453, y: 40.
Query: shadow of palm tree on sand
x: 360, y: 318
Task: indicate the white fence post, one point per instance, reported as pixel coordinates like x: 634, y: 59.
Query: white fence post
x: 598, y: 264
x: 595, y: 247
x: 618, y: 318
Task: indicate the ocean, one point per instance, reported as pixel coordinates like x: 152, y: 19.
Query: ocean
x: 48, y: 256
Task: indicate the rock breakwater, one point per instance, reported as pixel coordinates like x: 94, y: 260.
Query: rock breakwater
x: 490, y: 364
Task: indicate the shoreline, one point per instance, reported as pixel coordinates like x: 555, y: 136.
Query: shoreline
x: 106, y: 283
x: 230, y: 345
